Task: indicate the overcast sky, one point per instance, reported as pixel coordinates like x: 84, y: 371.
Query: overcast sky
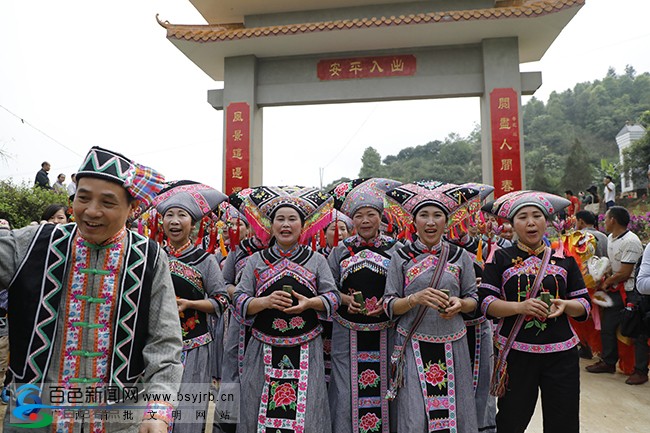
x: 85, y: 73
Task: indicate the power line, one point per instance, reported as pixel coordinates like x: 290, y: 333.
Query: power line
x: 353, y: 136
x: 25, y: 122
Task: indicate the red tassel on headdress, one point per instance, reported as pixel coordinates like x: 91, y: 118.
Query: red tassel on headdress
x: 335, y: 242
x: 389, y: 227
x: 153, y: 234
x: 199, y: 237
x: 322, y: 241
x: 402, y: 233
x: 231, y: 236
x: 313, y: 243
x: 212, y: 245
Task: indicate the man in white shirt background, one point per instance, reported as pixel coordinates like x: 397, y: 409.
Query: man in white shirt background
x: 610, y: 191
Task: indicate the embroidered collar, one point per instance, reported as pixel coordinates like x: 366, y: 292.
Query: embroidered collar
x: 180, y: 251
x: 288, y: 252
x: 107, y: 243
x: 537, y: 251
x: 358, y: 241
x: 421, y: 248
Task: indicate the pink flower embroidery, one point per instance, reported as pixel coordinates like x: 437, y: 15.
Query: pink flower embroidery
x: 368, y: 378
x: 435, y: 375
x: 371, y: 303
x: 281, y: 325
x: 340, y: 190
x: 283, y: 395
x: 297, y: 322
x: 327, y: 346
x: 369, y: 422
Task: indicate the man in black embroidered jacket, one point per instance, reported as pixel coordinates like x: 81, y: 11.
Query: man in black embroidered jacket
x: 91, y: 304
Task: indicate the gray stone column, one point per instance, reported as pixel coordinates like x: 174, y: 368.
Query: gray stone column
x: 240, y: 84
x: 500, y: 69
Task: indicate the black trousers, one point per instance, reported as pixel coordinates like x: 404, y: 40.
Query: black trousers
x: 557, y: 375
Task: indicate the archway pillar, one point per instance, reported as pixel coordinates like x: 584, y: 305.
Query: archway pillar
x: 242, y: 124
x: 502, y: 141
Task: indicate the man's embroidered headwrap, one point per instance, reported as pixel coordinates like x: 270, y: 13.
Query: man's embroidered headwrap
x: 353, y: 195
x: 509, y: 204
x: 312, y: 204
x: 141, y: 182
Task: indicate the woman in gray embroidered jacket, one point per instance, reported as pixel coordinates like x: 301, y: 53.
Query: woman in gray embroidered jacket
x: 199, y: 287
x: 437, y: 381
x: 283, y: 290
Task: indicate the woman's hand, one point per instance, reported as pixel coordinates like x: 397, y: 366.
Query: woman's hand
x: 377, y: 311
x: 455, y: 305
x: 183, y: 304
x: 230, y: 288
x: 353, y: 307
x: 153, y: 426
x: 533, y: 307
x: 430, y: 297
x: 303, y: 304
x: 279, y: 300
x: 557, y: 307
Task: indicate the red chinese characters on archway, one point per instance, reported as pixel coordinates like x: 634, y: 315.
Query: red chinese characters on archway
x: 366, y: 67
x: 506, y: 152
x: 237, y: 154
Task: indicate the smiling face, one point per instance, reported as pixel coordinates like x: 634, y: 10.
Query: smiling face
x: 430, y: 222
x: 329, y: 233
x: 58, y: 218
x: 177, y: 224
x: 530, y: 224
x: 100, y: 209
x: 286, y: 227
x: 366, y: 222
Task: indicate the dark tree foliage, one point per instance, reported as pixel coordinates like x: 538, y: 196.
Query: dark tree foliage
x: 569, y: 141
x: 22, y: 204
x: 577, y: 170
x: 371, y: 163
x: 591, y: 112
x: 456, y: 159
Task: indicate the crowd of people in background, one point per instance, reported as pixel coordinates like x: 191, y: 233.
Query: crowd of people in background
x: 42, y: 180
x: 377, y: 306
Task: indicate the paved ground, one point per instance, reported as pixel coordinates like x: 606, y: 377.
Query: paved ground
x: 607, y: 405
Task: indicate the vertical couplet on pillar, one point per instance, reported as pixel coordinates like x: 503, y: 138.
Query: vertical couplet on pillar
x: 237, y: 154
x: 506, y: 152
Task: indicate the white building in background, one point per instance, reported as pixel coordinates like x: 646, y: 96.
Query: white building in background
x: 624, y: 139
